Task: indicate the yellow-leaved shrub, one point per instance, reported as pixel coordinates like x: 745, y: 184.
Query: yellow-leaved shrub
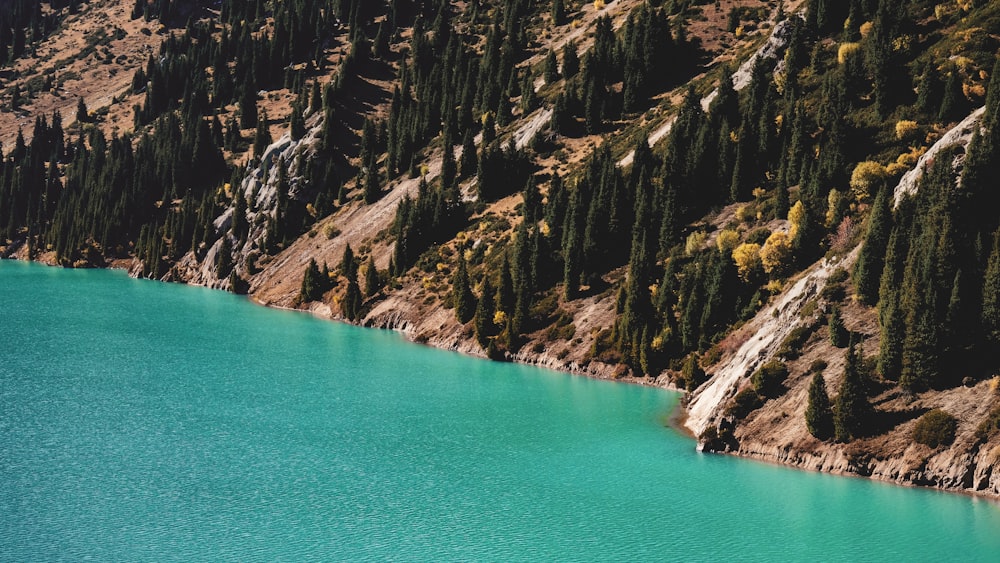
x: 867, y: 176
x: 747, y: 259
x: 776, y: 253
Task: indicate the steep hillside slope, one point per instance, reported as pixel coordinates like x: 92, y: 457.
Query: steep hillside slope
x: 730, y: 198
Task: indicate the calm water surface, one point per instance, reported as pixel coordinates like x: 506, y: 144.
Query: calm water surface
x: 142, y: 421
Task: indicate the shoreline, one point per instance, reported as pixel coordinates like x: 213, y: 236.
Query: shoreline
x: 659, y: 382
x: 977, y: 495
x: 675, y: 419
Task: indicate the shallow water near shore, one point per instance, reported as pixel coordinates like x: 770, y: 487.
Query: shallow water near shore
x: 142, y: 421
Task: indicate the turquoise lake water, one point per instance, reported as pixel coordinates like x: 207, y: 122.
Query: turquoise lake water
x: 142, y: 421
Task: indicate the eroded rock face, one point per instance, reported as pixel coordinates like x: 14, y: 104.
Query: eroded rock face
x: 763, y: 336
x: 776, y: 432
x: 960, y: 135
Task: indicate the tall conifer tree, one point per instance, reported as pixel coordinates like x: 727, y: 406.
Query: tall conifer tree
x: 819, y: 414
x: 852, y: 408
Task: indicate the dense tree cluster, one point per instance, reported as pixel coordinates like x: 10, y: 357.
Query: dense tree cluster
x: 209, y: 67
x: 939, y: 284
x: 155, y: 193
x: 113, y: 194
x: 447, y: 86
x: 431, y: 218
x: 645, y: 58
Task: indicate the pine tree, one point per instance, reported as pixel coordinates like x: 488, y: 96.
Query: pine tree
x: 551, y: 68
x: 532, y: 209
x: 248, y: 108
x: 819, y: 415
x: 373, y: 189
x: 838, y: 333
x: 573, y: 239
x: 326, y: 132
x: 871, y: 260
x: 380, y: 47
x: 592, y: 110
x: 461, y: 293
x: 313, y: 284
x: 953, y: 100
x: 15, y: 98
x: 807, y: 235
x: 571, y: 62
x: 449, y: 168
x: 233, y: 138
x: 469, y: 162
x: 297, y: 124
x: 506, y: 298
x: 82, y: 115
x: 353, y: 299
x: 920, y: 350
x: 931, y: 90
x: 781, y: 200
x: 517, y: 322
x: 692, y: 372
x: 372, y: 279
x: 485, y: 312
x: 558, y: 12
x: 991, y: 294
x: 879, y: 57
x: 315, y: 97
x: 348, y: 265
x: 262, y: 137
x: 852, y: 408
x: 960, y: 329
x: 223, y: 259
x: 892, y: 333
x: 529, y: 99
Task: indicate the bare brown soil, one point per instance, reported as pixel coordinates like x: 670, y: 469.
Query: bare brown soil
x: 101, y: 75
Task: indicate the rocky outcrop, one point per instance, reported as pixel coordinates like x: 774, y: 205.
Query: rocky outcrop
x: 757, y: 343
x: 959, y: 135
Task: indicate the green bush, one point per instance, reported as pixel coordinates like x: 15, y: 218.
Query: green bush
x: 935, y: 428
x: 989, y: 425
x: 791, y: 346
x: 767, y: 380
x: 744, y: 403
x: 833, y: 292
x: 837, y: 276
